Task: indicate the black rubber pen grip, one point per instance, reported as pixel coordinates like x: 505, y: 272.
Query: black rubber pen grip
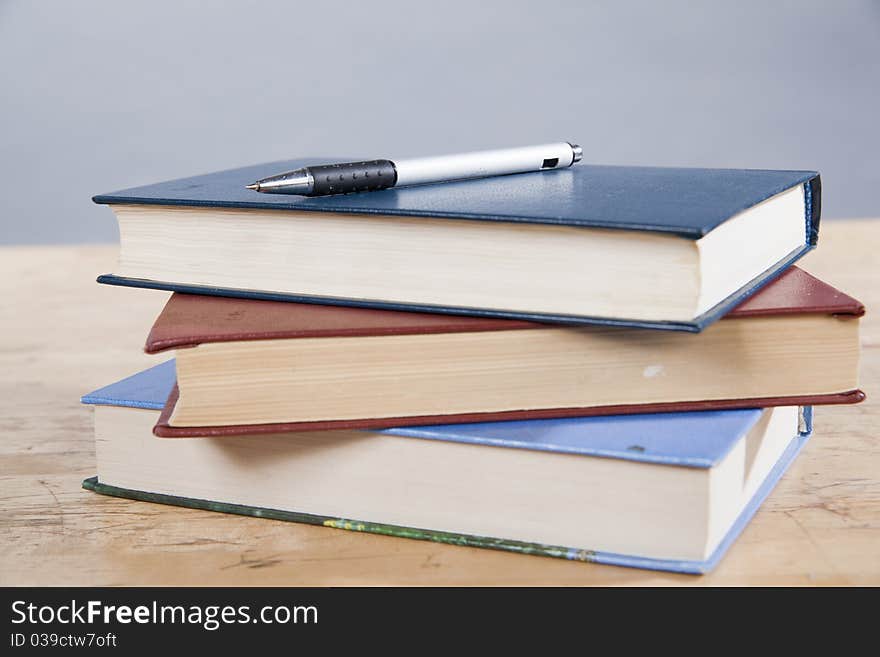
x: 353, y: 177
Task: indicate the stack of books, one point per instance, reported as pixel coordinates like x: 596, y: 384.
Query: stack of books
x: 605, y: 364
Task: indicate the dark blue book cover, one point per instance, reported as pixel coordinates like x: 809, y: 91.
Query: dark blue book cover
x: 686, y: 202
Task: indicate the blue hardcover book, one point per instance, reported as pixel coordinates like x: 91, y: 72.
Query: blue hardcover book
x: 665, y: 491
x: 666, y: 248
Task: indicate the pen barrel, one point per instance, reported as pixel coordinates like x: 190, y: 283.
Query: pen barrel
x: 352, y: 177
x: 483, y: 164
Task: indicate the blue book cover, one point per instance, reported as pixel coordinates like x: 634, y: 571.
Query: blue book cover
x: 698, y: 439
x: 685, y: 202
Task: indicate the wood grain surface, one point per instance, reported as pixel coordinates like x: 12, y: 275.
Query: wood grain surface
x: 62, y: 335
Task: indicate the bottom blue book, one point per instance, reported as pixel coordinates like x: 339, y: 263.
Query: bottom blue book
x: 667, y: 491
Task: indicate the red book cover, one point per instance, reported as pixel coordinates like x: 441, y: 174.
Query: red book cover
x: 189, y: 320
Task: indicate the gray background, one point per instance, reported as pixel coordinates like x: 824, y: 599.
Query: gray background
x: 100, y: 95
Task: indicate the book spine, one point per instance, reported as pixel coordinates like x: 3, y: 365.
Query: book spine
x: 813, y: 194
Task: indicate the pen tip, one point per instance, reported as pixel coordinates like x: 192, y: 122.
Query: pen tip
x: 254, y: 186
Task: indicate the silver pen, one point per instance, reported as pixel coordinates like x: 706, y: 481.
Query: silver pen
x: 372, y: 175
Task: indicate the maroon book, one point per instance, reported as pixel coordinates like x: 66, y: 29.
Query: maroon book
x: 190, y: 320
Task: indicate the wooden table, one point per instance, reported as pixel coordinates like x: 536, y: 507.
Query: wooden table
x: 62, y: 335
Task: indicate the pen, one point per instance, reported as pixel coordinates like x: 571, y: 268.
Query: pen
x: 372, y: 175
